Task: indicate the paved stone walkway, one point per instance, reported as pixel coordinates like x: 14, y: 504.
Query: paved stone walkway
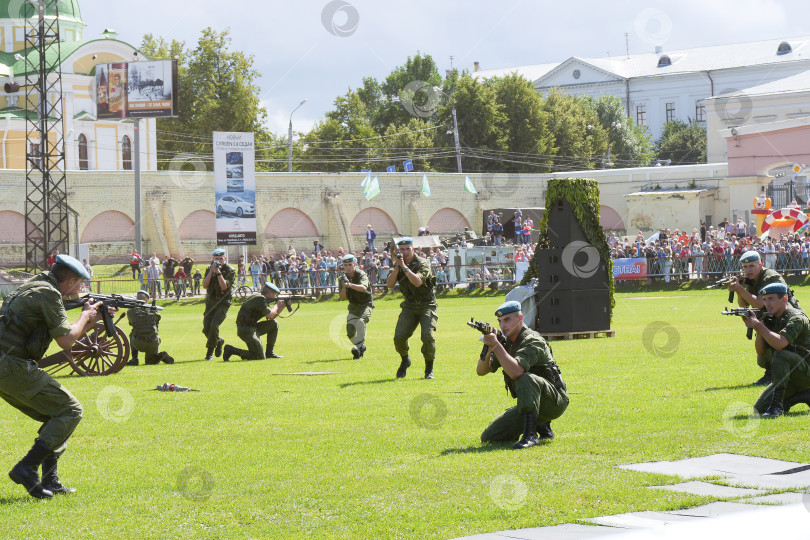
x: 747, y: 483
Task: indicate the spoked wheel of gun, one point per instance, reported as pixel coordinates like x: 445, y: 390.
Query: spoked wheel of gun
x: 95, y: 353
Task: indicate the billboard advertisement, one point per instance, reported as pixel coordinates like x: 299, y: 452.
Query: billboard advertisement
x: 136, y: 89
x: 630, y: 268
x: 235, y: 186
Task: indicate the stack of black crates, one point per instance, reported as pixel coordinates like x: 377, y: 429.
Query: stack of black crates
x: 573, y: 290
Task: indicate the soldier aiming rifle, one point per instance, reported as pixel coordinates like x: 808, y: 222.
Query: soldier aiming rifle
x: 748, y: 291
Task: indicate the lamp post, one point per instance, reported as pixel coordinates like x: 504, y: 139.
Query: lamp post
x: 613, y: 125
x: 455, y: 128
x: 289, y: 137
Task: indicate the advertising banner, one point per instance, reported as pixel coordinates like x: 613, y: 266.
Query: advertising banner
x: 235, y: 186
x: 486, y: 263
x: 136, y: 89
x: 630, y: 268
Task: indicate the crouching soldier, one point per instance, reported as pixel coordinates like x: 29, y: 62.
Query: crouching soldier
x: 249, y: 325
x: 531, y: 375
x: 784, y: 335
x: 144, y: 336
x: 30, y: 319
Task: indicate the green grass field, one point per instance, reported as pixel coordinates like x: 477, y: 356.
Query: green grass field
x: 355, y: 453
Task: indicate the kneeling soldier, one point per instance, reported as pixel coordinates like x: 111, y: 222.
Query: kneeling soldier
x: 531, y: 375
x: 144, y: 336
x: 784, y: 333
x: 756, y: 277
x: 249, y: 325
x: 355, y: 287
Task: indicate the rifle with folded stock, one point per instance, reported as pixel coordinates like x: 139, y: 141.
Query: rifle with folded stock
x: 744, y: 312
x: 486, y: 328
x: 288, y: 301
x: 104, y: 301
x: 723, y: 282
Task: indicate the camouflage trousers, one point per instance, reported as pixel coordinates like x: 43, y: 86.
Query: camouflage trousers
x: 534, y: 395
x: 356, y: 321
x: 790, y: 372
x: 215, y: 313
x: 38, y: 395
x: 409, y: 319
x: 250, y: 335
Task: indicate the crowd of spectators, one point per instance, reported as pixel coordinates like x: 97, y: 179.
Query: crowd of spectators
x: 707, y: 253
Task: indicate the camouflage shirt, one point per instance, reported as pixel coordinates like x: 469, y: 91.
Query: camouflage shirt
x: 255, y: 308
x: 357, y: 297
x: 534, y: 355
x: 31, y: 317
x: 422, y: 295
x: 794, y: 325
x: 214, y: 290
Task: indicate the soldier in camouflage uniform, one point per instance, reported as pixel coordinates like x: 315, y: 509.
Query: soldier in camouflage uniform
x: 785, y: 333
x: 416, y: 281
x: 249, y: 325
x: 531, y: 375
x: 356, y: 288
x: 747, y: 289
x: 30, y: 318
x: 144, y: 336
x: 218, y: 283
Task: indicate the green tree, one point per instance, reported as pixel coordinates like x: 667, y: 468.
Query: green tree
x: 217, y: 92
x: 574, y: 145
x: 524, y: 124
x: 630, y: 144
x: 682, y: 142
x: 480, y: 120
x: 344, y: 141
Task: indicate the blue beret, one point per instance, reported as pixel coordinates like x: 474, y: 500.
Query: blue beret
x: 348, y: 259
x: 773, y: 288
x: 142, y: 292
x: 272, y: 286
x: 507, y: 308
x: 405, y: 241
x: 749, y: 256
x: 74, y: 265
x: 219, y: 252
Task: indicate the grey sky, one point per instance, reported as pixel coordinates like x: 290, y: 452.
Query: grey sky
x: 299, y: 58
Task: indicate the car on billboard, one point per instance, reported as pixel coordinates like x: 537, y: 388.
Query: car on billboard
x: 231, y: 204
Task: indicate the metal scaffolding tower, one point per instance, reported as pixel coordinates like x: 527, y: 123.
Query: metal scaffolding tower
x: 46, y: 207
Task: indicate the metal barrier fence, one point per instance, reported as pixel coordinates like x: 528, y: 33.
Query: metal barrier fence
x: 312, y: 281
x: 696, y: 267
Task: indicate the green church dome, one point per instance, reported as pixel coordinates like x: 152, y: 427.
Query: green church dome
x: 68, y: 10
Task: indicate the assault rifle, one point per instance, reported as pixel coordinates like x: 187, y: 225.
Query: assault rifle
x: 486, y: 328
x: 744, y: 312
x: 104, y: 301
x: 288, y: 301
x: 723, y: 282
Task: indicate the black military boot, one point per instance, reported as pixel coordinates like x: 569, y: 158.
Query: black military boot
x: 209, y: 354
x: 218, y: 349
x: 25, y: 472
x: 529, y: 432
x: 765, y: 380
x: 355, y: 352
x: 429, y: 369
x: 795, y: 399
x: 226, y: 356
x: 776, y: 409
x: 165, y: 358
x: 268, y: 352
x: 362, y: 350
x: 50, y: 480
x: 134, y: 360
x: 544, y: 432
x: 403, y: 366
